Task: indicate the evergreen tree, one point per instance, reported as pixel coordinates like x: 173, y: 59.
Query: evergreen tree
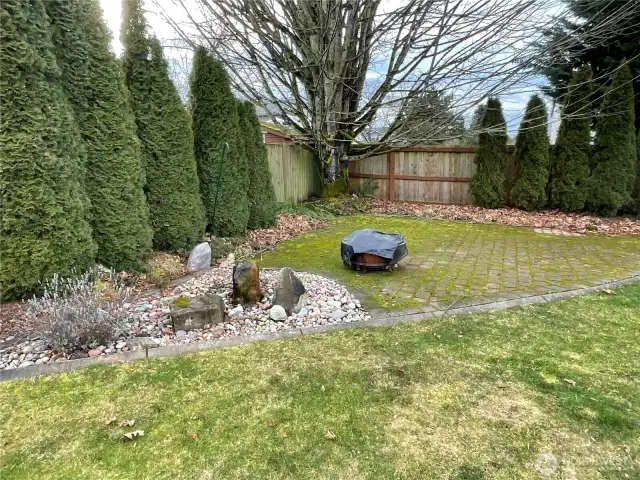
x: 570, y: 157
x: 532, y: 158
x: 44, y: 227
x: 94, y: 83
x: 215, y: 122
x: 262, y: 198
x: 569, y: 49
x: 487, y: 185
x: 614, y: 152
x: 164, y: 128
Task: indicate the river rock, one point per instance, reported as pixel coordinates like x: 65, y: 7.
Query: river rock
x: 290, y: 292
x: 200, y: 257
x: 277, y: 313
x: 246, y: 283
x: 201, y: 311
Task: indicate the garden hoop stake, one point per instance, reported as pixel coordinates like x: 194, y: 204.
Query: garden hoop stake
x: 224, y: 148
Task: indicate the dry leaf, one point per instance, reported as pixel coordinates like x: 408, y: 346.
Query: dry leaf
x: 133, y: 435
x: 608, y: 292
x: 194, y: 435
x: 110, y: 420
x: 569, y: 381
x: 330, y: 435
x: 400, y: 372
x: 127, y: 423
x: 272, y: 423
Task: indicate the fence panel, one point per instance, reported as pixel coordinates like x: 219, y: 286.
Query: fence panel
x: 294, y: 173
x: 431, y: 174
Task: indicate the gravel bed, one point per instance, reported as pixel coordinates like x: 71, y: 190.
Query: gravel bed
x: 150, y: 325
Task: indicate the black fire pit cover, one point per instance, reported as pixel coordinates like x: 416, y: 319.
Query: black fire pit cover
x: 390, y: 246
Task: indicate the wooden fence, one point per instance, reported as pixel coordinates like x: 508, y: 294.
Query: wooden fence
x: 294, y: 172
x: 433, y: 174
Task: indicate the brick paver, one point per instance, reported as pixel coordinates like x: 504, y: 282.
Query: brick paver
x: 461, y: 263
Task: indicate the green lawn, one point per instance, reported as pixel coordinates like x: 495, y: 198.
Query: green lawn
x: 469, y: 397
x: 462, y: 261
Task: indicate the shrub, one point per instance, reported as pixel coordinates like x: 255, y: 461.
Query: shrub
x: 570, y: 158
x: 44, y: 228
x: 164, y: 128
x: 532, y: 158
x: 487, y: 185
x: 365, y: 188
x: 614, y: 151
x: 74, y: 313
x: 94, y: 83
x: 215, y: 122
x: 261, y: 196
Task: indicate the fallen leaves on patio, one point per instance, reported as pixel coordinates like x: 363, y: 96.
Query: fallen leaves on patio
x: 287, y: 226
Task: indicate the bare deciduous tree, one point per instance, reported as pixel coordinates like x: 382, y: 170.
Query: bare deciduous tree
x: 340, y: 71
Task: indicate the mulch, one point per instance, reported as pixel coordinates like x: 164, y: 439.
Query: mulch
x: 555, y: 219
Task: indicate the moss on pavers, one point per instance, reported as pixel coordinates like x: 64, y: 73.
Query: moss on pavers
x: 451, y: 261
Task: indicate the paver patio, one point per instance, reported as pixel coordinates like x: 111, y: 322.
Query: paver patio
x: 463, y: 263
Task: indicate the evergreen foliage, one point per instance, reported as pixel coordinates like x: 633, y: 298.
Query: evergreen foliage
x: 44, y: 227
x: 487, y: 185
x: 94, y: 83
x: 215, y: 121
x: 635, y: 200
x: 614, y: 153
x: 568, y: 49
x: 261, y: 195
x: 570, y: 157
x: 532, y: 158
x: 164, y: 129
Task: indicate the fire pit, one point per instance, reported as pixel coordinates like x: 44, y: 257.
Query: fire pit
x: 370, y: 249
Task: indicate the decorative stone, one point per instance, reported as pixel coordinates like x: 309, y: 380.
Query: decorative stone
x: 181, y: 333
x: 277, y: 313
x: 200, y: 257
x: 95, y: 352
x: 236, y: 311
x: 289, y: 291
x: 198, y: 312
x: 78, y: 354
x: 338, y: 314
x: 246, y: 283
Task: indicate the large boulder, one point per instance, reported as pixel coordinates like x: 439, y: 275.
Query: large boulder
x: 246, y: 283
x: 191, y: 313
x: 200, y: 257
x: 290, y: 292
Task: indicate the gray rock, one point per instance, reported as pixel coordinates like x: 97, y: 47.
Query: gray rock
x: 200, y: 257
x: 201, y: 311
x: 338, y: 314
x: 181, y: 333
x: 289, y: 291
x: 277, y: 313
x: 27, y: 364
x: 236, y: 311
x: 78, y: 354
x: 95, y: 352
x: 136, y: 343
x: 121, y: 345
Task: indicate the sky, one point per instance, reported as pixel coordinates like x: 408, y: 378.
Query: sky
x: 513, y: 105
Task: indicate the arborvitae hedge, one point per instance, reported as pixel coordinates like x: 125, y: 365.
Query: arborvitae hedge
x: 215, y: 121
x: 487, y: 185
x: 570, y: 158
x: 262, y: 198
x: 532, y: 158
x: 94, y: 83
x: 164, y: 128
x: 614, y: 153
x: 44, y: 228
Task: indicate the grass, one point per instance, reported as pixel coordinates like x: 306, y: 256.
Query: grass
x: 455, y: 260
x: 469, y: 397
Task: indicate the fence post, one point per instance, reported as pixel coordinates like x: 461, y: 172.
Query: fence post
x: 391, y: 167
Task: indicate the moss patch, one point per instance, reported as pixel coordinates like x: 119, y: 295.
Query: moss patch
x: 451, y: 261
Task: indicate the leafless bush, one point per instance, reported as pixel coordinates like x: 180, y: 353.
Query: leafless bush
x: 78, y: 312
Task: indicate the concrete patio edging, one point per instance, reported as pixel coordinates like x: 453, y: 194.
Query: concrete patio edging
x: 377, y: 320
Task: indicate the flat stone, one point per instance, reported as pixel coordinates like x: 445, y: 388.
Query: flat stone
x: 201, y: 311
x: 338, y: 314
x: 142, y: 343
x: 94, y: 352
x: 27, y: 364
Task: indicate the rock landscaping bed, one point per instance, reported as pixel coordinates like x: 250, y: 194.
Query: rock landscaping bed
x: 150, y: 323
